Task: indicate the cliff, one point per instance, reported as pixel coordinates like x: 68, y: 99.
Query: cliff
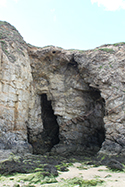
x: 63, y: 101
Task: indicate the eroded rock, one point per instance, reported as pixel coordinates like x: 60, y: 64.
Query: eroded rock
x: 57, y: 100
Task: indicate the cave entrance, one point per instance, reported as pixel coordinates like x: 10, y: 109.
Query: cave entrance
x: 85, y: 133
x: 43, y: 142
x: 95, y: 119
x: 51, y: 127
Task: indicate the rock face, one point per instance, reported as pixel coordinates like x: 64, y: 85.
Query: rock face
x: 63, y: 101
x: 15, y: 86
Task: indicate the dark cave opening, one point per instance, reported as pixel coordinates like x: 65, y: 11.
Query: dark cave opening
x: 43, y: 141
x: 51, y: 127
x: 95, y: 119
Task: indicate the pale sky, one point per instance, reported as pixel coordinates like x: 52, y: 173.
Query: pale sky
x: 78, y: 24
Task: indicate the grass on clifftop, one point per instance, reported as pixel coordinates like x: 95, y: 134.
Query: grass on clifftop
x: 2, y: 22
x: 120, y: 43
x: 108, y: 50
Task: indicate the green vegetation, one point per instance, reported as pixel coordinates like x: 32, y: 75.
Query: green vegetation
x: 115, y: 170
x: 68, y: 182
x: 96, y: 176
x: 4, y: 47
x: 9, y: 55
x: 63, y: 166
x: 9, y: 33
x: 100, y: 67
x: 96, y: 49
x: 3, y: 34
x: 120, y: 43
x: 80, y: 182
x: 112, y: 170
x: 108, y: 50
x: 82, y: 167
x: 40, y: 170
x: 110, y: 65
x: 36, y: 178
x: 16, y: 185
x: 29, y: 179
x: 20, y: 51
x: 2, y: 22
x: 103, y: 157
x: 3, y: 42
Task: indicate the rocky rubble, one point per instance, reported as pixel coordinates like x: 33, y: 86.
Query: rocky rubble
x: 63, y: 101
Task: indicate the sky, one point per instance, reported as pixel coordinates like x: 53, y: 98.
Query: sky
x: 70, y: 24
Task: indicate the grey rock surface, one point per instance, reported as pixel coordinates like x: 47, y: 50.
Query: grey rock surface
x: 63, y: 101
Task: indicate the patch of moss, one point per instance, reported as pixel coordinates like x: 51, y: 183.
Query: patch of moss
x: 101, y: 170
x: 96, y: 176
x: 2, y: 22
x: 120, y: 43
x: 96, y: 50
x: 16, y: 185
x: 49, y: 180
x: 21, y: 52
x: 10, y: 33
x: 103, y: 157
x: 108, y: 50
x: 39, y: 169
x: 63, y: 166
x: 4, y: 48
x: 100, y: 67
x: 80, y: 182
x: 3, y: 42
x: 115, y: 170
x: 37, y: 178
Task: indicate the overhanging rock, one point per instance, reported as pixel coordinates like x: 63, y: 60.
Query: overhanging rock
x: 59, y: 100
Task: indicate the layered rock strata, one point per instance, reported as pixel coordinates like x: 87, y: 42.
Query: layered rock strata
x: 63, y: 101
